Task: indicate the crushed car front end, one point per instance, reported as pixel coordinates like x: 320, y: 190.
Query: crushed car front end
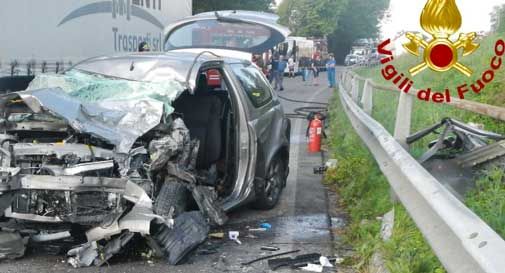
x: 83, y: 158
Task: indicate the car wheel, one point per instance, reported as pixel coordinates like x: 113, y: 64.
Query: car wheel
x: 268, y: 191
x: 172, y: 194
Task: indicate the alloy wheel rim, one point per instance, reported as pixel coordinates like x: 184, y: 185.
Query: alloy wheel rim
x: 272, y: 186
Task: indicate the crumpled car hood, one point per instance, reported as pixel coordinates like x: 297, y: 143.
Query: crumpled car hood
x: 115, y: 110
x: 119, y: 122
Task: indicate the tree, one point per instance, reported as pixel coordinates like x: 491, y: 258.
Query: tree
x: 342, y: 21
x: 497, y: 19
x: 311, y: 17
x: 211, y: 5
x: 360, y: 19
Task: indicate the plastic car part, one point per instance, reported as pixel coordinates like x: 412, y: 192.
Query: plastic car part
x: 274, y: 264
x: 270, y: 256
x: 113, y: 247
x: 189, y: 231
x: 83, y: 255
x: 206, y: 198
x: 92, y: 253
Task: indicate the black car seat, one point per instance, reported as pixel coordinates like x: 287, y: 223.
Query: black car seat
x: 202, y: 115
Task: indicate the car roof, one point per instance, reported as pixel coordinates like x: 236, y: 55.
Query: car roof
x: 154, y: 66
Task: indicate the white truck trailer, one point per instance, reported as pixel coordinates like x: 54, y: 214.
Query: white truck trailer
x: 46, y: 36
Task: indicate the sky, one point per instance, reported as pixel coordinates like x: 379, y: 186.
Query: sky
x: 405, y: 15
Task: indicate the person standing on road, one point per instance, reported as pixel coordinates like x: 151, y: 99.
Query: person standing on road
x: 315, y: 72
x: 331, y: 70
x: 302, y: 64
x: 309, y: 72
x: 279, y: 73
x: 274, y: 64
x: 291, y: 67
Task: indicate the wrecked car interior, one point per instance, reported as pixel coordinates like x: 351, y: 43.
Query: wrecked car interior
x: 101, y: 161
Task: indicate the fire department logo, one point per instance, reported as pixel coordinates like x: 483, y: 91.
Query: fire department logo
x: 441, y: 19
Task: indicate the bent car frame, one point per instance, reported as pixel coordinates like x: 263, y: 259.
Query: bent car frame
x: 155, y: 145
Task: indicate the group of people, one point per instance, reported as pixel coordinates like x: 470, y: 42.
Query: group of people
x: 275, y: 69
x: 310, y: 69
x: 276, y: 66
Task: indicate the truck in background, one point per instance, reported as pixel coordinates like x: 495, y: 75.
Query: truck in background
x: 51, y: 35
x: 303, y: 47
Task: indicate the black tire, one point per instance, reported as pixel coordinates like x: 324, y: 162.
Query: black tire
x: 268, y: 190
x: 172, y: 194
x: 189, y: 231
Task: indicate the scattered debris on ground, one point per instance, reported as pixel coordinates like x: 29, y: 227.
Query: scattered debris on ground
x: 233, y: 235
x: 270, y: 248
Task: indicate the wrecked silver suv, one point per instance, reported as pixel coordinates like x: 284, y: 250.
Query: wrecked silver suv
x: 149, y: 146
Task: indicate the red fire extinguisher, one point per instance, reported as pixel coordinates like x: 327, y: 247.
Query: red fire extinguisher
x: 315, y: 134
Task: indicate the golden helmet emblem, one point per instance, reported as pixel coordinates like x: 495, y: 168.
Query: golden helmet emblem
x: 441, y: 19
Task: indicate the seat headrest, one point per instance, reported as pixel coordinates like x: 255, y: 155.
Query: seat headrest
x: 202, y: 88
x: 213, y: 78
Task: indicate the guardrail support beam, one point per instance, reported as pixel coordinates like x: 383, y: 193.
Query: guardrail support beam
x: 404, y: 119
x: 367, y: 98
x: 355, y: 90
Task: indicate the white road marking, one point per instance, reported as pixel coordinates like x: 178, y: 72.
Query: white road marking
x: 294, y: 152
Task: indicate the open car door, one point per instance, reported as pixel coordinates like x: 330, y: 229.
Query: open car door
x: 246, y: 31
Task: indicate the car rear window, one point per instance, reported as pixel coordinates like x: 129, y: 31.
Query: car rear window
x: 254, y: 84
x: 216, y: 34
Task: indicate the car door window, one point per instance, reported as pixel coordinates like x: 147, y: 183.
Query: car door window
x: 253, y: 82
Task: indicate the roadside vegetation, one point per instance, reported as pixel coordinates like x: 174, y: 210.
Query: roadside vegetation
x: 365, y: 191
x: 488, y: 199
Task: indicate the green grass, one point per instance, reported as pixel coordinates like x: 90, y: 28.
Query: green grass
x: 365, y: 191
x: 488, y: 199
x: 407, y: 251
x: 427, y: 113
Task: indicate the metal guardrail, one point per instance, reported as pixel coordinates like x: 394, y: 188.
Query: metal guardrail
x: 462, y: 241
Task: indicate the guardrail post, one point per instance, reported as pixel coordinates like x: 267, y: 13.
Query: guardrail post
x: 348, y: 78
x: 403, y: 119
x: 367, y: 99
x: 343, y: 78
x: 348, y: 86
x: 402, y: 126
x: 355, y: 89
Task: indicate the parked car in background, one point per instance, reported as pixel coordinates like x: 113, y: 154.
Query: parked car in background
x: 353, y: 59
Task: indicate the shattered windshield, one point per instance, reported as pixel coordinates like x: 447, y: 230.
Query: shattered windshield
x: 87, y: 87
x: 117, y: 110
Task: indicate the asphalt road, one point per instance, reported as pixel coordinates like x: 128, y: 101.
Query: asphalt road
x: 299, y: 222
